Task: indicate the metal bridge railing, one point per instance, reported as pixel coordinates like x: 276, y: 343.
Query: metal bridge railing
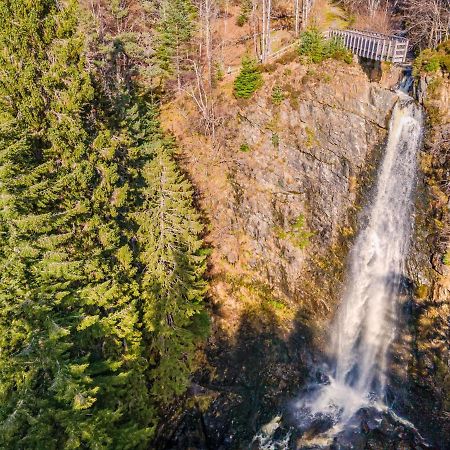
x: 372, y: 45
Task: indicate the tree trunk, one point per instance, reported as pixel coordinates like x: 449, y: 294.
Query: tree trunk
x: 254, y: 26
x: 306, y: 6
x: 208, y: 42
x: 268, y: 43
x: 263, y: 34
x: 265, y: 37
x: 297, y: 17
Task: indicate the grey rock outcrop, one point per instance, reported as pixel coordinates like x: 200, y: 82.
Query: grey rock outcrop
x: 308, y: 158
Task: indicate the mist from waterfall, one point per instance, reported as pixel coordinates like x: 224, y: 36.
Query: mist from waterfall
x: 365, y: 324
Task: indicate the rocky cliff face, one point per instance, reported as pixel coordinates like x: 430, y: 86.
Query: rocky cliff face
x: 302, y: 169
x: 282, y: 186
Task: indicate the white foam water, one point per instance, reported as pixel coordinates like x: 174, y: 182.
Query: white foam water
x: 365, y: 324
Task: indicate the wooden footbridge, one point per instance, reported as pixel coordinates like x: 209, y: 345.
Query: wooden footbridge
x: 376, y: 46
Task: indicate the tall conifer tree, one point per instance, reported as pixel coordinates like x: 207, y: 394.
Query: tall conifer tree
x: 175, y: 32
x: 172, y: 281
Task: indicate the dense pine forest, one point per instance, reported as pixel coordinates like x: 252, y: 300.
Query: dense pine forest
x: 102, y: 261
x: 112, y: 115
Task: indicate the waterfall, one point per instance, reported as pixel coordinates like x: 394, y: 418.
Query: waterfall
x: 365, y: 324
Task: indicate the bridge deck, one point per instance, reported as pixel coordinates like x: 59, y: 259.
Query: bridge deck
x: 377, y: 46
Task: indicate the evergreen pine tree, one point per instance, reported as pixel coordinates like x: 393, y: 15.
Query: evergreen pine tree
x: 175, y: 31
x: 173, y: 282
x: 249, y: 79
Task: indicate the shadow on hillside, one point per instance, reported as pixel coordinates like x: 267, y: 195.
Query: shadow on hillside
x: 243, y: 384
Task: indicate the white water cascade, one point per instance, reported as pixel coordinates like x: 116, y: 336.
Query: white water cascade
x: 365, y: 324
